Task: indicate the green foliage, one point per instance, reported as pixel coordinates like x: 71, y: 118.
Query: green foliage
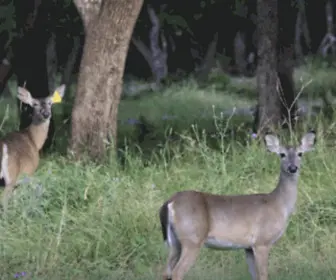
x: 83, y: 221
x: 176, y: 21
x: 240, y: 8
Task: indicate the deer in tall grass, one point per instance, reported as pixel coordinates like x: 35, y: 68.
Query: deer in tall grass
x: 19, y: 151
x: 253, y: 222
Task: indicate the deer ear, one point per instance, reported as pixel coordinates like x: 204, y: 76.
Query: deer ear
x: 308, y: 141
x: 58, y: 94
x: 25, y: 96
x: 272, y: 143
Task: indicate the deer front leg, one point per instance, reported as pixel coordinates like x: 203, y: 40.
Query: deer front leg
x: 261, y: 255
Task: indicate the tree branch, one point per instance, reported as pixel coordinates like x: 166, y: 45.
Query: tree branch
x: 143, y: 49
x: 155, y: 30
x: 155, y: 55
x: 159, y: 55
x: 329, y: 39
x: 304, y: 24
x: 208, y: 60
x: 66, y: 77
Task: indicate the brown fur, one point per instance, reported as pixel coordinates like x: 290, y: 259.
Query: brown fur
x: 23, y: 146
x: 192, y: 219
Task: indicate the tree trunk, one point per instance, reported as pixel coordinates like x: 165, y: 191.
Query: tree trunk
x: 269, y: 105
x: 209, y: 61
x: 286, y: 41
x: 51, y: 58
x: 67, y: 77
x: 109, y: 26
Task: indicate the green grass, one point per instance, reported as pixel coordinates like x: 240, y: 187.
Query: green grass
x: 83, y: 221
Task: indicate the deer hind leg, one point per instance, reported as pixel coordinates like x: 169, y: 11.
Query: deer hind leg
x: 188, y: 257
x: 6, y: 195
x: 250, y: 259
x: 173, y: 258
x: 174, y: 252
x: 261, y: 254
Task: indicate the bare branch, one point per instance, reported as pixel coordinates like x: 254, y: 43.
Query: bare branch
x: 330, y: 17
x: 329, y: 39
x: 164, y: 43
x: 298, y: 31
x: 155, y: 55
x: 159, y: 55
x: 32, y: 15
x: 172, y: 43
x: 66, y: 77
x: 303, y: 22
x: 155, y: 30
x: 143, y: 49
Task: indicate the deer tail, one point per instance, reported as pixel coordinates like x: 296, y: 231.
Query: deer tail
x: 4, y: 174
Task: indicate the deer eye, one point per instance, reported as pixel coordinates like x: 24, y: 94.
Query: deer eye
x: 282, y: 155
x: 299, y: 154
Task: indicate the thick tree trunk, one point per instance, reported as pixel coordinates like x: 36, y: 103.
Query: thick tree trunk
x: 269, y: 105
x: 109, y: 26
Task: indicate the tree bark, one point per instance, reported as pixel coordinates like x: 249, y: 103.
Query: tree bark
x: 286, y: 41
x: 51, y: 58
x: 269, y: 104
x: 277, y: 97
x: 209, y: 60
x: 108, y: 25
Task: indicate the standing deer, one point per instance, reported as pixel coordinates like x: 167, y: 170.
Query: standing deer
x: 20, y: 149
x: 192, y: 219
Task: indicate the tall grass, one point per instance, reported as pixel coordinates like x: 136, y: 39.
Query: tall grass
x: 83, y: 221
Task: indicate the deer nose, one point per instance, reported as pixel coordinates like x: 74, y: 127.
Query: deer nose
x: 292, y: 168
x: 45, y: 114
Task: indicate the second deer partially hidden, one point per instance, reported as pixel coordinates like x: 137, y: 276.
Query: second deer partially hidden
x: 19, y: 150
x: 192, y: 219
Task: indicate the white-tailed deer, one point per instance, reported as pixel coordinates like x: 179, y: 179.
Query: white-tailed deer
x: 192, y: 219
x: 19, y: 151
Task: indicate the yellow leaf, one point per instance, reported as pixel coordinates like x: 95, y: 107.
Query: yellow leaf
x: 57, y: 98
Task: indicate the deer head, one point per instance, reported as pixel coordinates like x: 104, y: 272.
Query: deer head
x: 41, y: 106
x: 290, y: 155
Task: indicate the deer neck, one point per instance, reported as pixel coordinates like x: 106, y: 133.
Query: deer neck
x: 39, y: 133
x: 286, y: 191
